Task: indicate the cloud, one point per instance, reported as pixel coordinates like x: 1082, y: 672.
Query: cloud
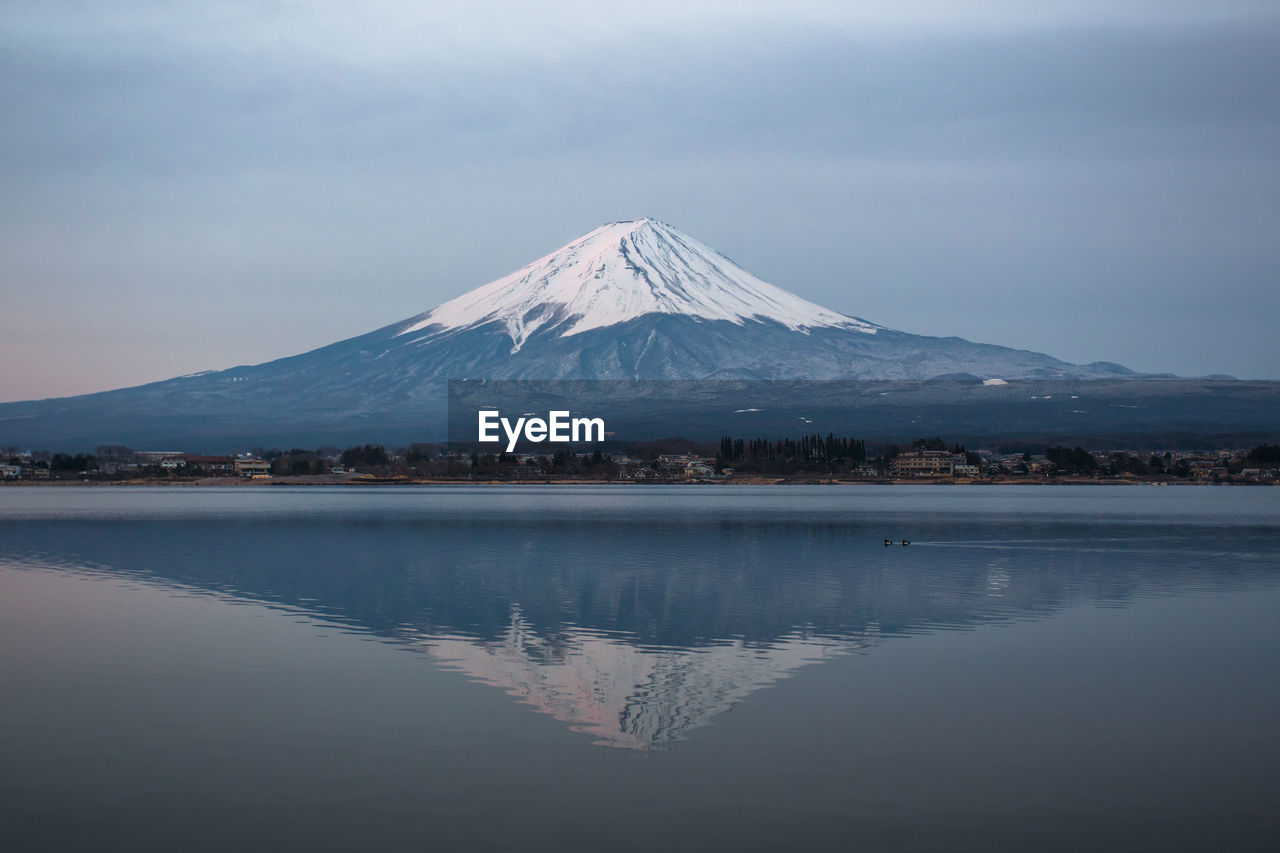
x: 203, y: 104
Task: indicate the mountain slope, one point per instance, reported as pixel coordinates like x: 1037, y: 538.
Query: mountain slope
x: 629, y: 300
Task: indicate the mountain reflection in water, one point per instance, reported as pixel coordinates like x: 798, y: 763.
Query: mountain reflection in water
x: 636, y: 626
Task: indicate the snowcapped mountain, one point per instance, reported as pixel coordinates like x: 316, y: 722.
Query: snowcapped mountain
x: 629, y: 300
x: 621, y: 272
x: 642, y: 300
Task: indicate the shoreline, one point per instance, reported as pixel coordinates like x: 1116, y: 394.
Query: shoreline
x: 374, y: 481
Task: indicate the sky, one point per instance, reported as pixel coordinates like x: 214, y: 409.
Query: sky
x: 194, y: 186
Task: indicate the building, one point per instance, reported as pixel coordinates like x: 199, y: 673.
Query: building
x: 248, y: 466
x: 157, y: 457
x: 679, y: 459
x: 213, y: 466
x: 1043, y: 467
x: 923, y: 463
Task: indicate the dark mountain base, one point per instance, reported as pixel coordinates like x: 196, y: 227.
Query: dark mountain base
x: 1124, y: 413
x: 1172, y: 413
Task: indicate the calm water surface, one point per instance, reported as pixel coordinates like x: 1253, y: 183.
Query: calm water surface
x: 593, y: 668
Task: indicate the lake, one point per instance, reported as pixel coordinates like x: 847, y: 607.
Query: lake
x: 640, y: 668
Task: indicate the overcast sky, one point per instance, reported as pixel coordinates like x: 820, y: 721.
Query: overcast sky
x: 191, y: 186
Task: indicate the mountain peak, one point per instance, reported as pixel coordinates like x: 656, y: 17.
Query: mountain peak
x: 619, y: 272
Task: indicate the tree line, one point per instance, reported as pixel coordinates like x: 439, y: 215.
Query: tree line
x: 813, y: 452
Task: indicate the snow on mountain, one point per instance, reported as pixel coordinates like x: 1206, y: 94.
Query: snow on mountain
x: 620, y: 272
